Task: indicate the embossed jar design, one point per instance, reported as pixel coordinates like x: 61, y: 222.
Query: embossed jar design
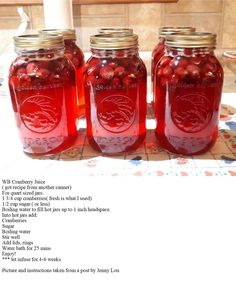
x: 43, y: 93
x: 115, y: 94
x: 188, y: 90
x: 76, y: 56
x: 159, y: 50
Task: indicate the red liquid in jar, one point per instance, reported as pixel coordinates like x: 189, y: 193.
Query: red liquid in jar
x: 43, y: 95
x: 75, y: 55
x: 115, y: 93
x: 188, y: 94
x: 157, y: 54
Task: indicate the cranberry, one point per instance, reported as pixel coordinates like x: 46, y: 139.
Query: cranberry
x: 181, y: 72
x: 120, y: 53
x: 193, y: 71
x: 65, y: 73
x: 54, y: 78
x: 120, y: 72
x: 128, y: 80
x: 113, y: 65
x: 209, y: 67
x: 183, y: 63
x: 167, y: 71
x: 107, y: 72
x: 21, y: 72
x: 31, y: 68
x: 42, y: 73
x: 208, y: 77
x: 159, y: 72
x: 116, y: 82
x: 174, y: 79
x: 173, y: 63
x: 101, y: 81
x: 196, y: 60
x: 188, y: 51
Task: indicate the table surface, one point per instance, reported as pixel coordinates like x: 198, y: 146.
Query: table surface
x: 148, y: 160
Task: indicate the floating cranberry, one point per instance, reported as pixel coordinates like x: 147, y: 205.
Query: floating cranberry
x: 196, y: 60
x: 116, y: 82
x: 209, y: 67
x: 42, y: 73
x: 183, y: 62
x: 173, y: 63
x: 101, y: 81
x: 65, y: 73
x: 159, y: 72
x: 174, y: 79
x: 120, y: 72
x: 181, y: 72
x: 107, y: 72
x: 21, y: 72
x: 188, y: 51
x: 31, y: 68
x: 54, y: 78
x: 167, y: 71
x: 128, y: 80
x: 113, y: 65
x: 193, y: 71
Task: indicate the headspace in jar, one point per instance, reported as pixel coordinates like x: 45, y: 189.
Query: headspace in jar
x: 159, y: 49
x: 115, y: 94
x: 188, y: 90
x: 43, y: 93
x: 75, y: 54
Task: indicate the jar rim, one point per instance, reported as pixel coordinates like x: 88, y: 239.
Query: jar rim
x: 37, y: 41
x: 108, y: 30
x: 113, y: 41
x: 167, y: 30
x: 66, y: 33
x: 193, y: 40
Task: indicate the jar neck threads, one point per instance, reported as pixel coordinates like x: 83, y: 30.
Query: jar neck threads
x: 189, y: 52
x: 119, y: 53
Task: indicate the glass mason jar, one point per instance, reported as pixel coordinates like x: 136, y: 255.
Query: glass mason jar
x: 76, y: 56
x: 159, y: 49
x: 189, y: 81
x: 43, y: 93
x: 115, y: 94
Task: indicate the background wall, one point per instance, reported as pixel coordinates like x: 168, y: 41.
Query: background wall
x: 207, y: 15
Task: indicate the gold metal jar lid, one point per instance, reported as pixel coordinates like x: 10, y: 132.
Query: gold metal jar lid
x: 113, y: 41
x: 115, y: 30
x: 194, y: 40
x: 35, y: 41
x: 66, y: 33
x: 163, y: 31
x: 231, y: 54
